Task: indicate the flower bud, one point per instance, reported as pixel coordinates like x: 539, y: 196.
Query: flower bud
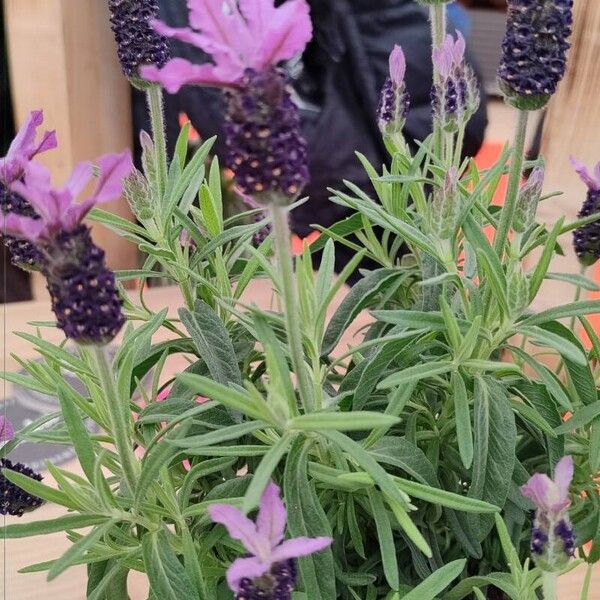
x: 394, y: 101
x: 517, y: 290
x: 527, y: 203
x: 446, y: 207
x: 139, y: 196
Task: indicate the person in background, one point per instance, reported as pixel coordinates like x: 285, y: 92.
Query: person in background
x: 336, y: 83
x: 14, y: 283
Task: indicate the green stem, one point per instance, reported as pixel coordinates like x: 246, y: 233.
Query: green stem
x: 549, y: 585
x: 585, y: 590
x: 157, y: 118
x: 285, y: 265
x: 437, y: 16
x: 118, y: 410
x: 514, y: 181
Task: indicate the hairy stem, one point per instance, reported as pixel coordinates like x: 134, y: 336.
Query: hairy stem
x: 285, y: 266
x: 157, y: 118
x: 118, y: 409
x: 516, y: 172
x: 549, y: 585
x: 585, y: 590
x: 437, y: 16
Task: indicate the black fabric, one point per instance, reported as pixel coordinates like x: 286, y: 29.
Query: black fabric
x: 343, y: 71
x: 14, y: 283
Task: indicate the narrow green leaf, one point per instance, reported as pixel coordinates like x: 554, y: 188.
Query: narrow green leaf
x: 37, y: 488
x: 22, y: 530
x: 566, y: 348
x: 224, y: 434
x: 464, y: 428
x: 575, y: 309
x: 416, y: 373
x: 385, y: 538
x: 580, y: 418
x: 437, y: 582
x: 351, y: 421
x: 264, y: 471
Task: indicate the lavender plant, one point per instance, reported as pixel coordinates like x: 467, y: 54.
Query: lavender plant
x: 396, y: 465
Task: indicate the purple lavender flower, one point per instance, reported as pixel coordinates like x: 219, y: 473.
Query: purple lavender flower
x: 394, y: 101
x: 83, y: 290
x: 534, y: 50
x: 586, y: 239
x: 455, y: 98
x: 23, y: 148
x: 137, y: 42
x: 552, y: 537
x: 269, y: 572
x: 15, y: 501
x: 266, y: 151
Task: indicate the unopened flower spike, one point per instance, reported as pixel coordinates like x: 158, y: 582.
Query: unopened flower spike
x: 265, y: 149
x: 527, y: 203
x: 552, y: 537
x: 394, y: 101
x: 456, y: 97
x: 137, y: 42
x: 14, y: 501
x: 23, y: 149
x: 83, y: 290
x: 269, y: 571
x: 534, y: 50
x: 586, y: 239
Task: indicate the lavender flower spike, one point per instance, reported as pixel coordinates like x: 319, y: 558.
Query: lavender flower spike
x: 83, y: 290
x: 13, y: 500
x: 456, y: 97
x: 394, y: 101
x: 552, y: 538
x: 586, y: 239
x: 534, y: 50
x: 22, y: 150
x: 266, y: 151
x: 269, y: 572
x: 137, y: 42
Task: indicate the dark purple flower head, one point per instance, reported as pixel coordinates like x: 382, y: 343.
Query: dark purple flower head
x: 13, y: 500
x: 586, y: 239
x: 455, y: 98
x: 394, y: 101
x: 534, y: 50
x: 270, y: 569
x: 12, y: 167
x: 552, y: 537
x: 137, y: 42
x: 84, y: 295
x: 265, y: 148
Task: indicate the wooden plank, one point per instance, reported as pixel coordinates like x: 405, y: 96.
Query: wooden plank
x: 63, y: 59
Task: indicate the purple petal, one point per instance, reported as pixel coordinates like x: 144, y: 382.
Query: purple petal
x: 245, y: 567
x: 48, y: 142
x: 7, y: 431
x: 301, y: 546
x: 36, y: 188
x: 539, y: 489
x: 239, y: 526
x: 80, y: 177
x: 114, y: 168
x: 272, y: 516
x: 183, y: 34
x: 288, y: 34
x: 592, y: 181
x: 443, y: 58
x: 258, y: 14
x: 397, y: 65
x: 563, y: 475
x: 179, y: 72
x: 22, y: 227
x: 25, y: 139
x: 459, y: 47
